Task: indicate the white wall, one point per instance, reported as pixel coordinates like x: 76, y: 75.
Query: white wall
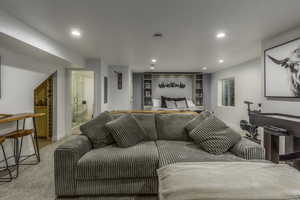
x: 20, y: 76
x: 247, y: 87
x: 94, y: 64
x: 172, y: 92
x: 207, y: 91
x: 120, y: 99
x: 249, y: 79
x: 137, y: 92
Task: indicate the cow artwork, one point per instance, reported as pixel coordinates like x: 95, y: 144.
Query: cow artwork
x: 282, y: 65
x: 292, y: 64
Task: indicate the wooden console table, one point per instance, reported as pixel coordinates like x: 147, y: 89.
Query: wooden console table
x: 7, y: 118
x: 290, y: 123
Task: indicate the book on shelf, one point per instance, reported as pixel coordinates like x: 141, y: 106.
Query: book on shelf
x: 147, y: 93
x: 147, y: 86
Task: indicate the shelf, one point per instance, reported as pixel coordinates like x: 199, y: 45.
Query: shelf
x: 198, y: 89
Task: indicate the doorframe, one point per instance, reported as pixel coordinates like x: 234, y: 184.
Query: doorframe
x: 69, y: 95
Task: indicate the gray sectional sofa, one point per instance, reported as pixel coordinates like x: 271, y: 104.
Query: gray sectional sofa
x: 83, y: 171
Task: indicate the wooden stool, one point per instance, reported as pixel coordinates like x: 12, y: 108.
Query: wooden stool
x: 20, y: 134
x: 6, y: 167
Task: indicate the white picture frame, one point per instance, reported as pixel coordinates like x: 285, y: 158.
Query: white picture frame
x: 282, y: 70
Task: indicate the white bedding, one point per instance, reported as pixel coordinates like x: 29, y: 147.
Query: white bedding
x: 183, y: 109
x: 229, y: 181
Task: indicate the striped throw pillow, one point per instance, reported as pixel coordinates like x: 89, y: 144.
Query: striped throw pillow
x: 96, y: 131
x: 214, y: 136
x: 126, y: 130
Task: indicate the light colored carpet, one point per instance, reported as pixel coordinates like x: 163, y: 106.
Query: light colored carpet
x: 36, y: 182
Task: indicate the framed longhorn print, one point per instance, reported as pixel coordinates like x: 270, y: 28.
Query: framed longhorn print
x: 282, y: 70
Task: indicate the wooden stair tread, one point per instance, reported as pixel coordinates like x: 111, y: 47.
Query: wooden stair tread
x: 19, y: 133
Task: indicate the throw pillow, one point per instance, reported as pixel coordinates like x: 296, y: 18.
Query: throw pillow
x: 171, y: 104
x: 181, y: 104
x: 96, y: 132
x: 156, y: 103
x: 190, y: 103
x: 126, y: 130
x: 164, y: 99
x: 196, y: 121
x: 214, y: 136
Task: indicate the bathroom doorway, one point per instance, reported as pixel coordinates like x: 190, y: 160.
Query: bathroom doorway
x: 82, y: 97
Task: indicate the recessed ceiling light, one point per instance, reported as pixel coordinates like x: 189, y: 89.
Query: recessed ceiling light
x: 153, y: 60
x: 221, y: 35
x: 152, y: 68
x: 204, y: 68
x: 157, y: 35
x: 76, y: 33
x: 221, y: 61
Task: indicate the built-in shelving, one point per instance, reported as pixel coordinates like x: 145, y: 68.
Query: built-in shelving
x: 147, y: 90
x: 148, y: 86
x: 198, y: 89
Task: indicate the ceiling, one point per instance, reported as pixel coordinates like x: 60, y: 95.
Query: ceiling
x: 120, y: 31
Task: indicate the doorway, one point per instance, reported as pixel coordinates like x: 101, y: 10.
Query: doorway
x: 82, y: 97
x: 43, y: 103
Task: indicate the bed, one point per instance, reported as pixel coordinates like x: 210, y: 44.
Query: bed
x: 175, y: 103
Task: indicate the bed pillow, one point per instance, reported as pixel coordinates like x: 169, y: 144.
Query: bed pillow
x: 181, y: 104
x: 190, y: 103
x: 156, y: 103
x: 164, y: 99
x: 96, y: 131
x: 126, y: 130
x: 214, y: 136
x: 171, y: 104
x: 196, y: 121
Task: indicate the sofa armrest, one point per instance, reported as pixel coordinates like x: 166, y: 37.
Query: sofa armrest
x: 66, y: 157
x: 248, y: 150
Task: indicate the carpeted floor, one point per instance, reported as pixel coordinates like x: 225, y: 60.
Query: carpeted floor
x: 37, y: 182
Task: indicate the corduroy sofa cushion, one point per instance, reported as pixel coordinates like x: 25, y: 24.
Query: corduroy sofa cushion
x: 126, y: 130
x: 214, y: 136
x: 182, y: 151
x: 96, y: 131
x: 147, y: 121
x: 171, y: 126
x: 196, y: 121
x: 112, y: 162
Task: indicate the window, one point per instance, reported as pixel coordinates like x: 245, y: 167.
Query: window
x: 227, y: 92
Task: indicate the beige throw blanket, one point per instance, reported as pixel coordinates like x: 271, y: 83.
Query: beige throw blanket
x: 229, y: 181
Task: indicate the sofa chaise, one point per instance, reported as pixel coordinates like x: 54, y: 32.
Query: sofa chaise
x: 83, y: 171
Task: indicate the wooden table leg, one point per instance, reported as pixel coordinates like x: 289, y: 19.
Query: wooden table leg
x: 36, y: 139
x: 267, y: 145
